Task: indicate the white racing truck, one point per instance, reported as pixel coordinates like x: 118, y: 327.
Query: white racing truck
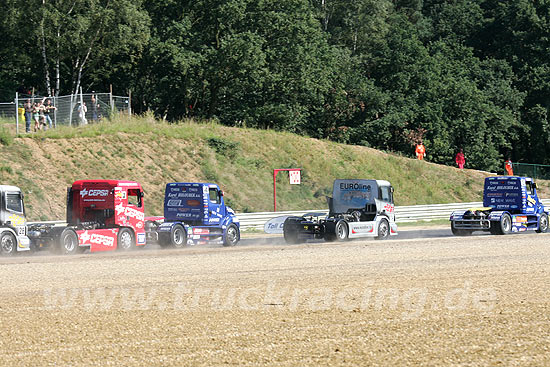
x: 13, y: 223
x: 357, y: 208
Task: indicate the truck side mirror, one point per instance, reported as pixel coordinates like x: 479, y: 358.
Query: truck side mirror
x: 534, y: 185
x: 221, y: 193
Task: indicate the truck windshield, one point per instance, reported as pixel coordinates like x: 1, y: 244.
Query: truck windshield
x: 385, y: 194
x: 134, y: 197
x: 214, y: 196
x: 14, y: 202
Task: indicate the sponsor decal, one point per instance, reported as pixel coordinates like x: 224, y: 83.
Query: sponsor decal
x: 16, y: 220
x: 120, y: 194
x: 201, y: 231
x: 275, y: 225
x: 173, y: 202
x: 354, y: 186
x: 94, y: 193
x: 389, y: 208
x: 520, y: 219
x: 97, y: 239
x: 129, y: 212
x: 193, y: 202
x: 362, y: 228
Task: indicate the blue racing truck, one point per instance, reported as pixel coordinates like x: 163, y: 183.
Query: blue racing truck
x: 510, y: 204
x: 194, y: 213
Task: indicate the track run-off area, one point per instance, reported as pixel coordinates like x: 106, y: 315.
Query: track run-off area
x: 423, y: 298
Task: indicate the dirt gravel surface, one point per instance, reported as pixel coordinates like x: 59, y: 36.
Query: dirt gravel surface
x: 481, y: 300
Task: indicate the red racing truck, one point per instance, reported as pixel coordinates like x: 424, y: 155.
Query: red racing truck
x: 102, y: 215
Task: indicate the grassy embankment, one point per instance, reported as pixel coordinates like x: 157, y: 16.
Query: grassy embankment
x: 240, y: 160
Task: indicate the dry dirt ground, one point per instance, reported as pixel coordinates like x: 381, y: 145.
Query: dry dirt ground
x: 445, y: 302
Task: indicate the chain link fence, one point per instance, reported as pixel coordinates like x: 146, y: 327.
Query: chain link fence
x: 71, y: 110
x: 536, y: 171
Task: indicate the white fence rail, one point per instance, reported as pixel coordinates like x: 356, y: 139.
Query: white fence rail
x: 412, y: 213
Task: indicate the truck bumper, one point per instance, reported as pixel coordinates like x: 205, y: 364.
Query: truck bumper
x: 472, y: 224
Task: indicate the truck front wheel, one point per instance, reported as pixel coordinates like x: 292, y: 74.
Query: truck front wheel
x: 232, y: 235
x: 125, y: 239
x: 383, y: 230
x: 543, y: 223
x: 8, y: 244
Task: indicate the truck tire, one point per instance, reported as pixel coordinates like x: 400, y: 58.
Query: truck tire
x: 125, y: 240
x: 8, y: 244
x: 341, y: 231
x: 543, y: 223
x: 232, y: 235
x: 290, y: 230
x: 178, y: 236
x: 68, y: 243
x: 505, y: 225
x: 459, y: 232
x: 383, y: 230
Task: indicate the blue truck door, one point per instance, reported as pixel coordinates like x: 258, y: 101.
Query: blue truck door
x: 531, y: 198
x: 215, y: 206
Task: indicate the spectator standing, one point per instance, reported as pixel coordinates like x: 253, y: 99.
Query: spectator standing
x: 42, y: 112
x: 36, y: 116
x: 82, y: 109
x: 28, y: 115
x: 508, y: 167
x: 48, y: 109
x: 460, y: 160
x: 95, y: 106
x: 420, y: 151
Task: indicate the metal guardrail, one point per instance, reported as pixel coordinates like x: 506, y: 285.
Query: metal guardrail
x: 403, y: 214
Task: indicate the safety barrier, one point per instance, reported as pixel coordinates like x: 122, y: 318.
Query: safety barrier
x: 411, y: 213
x: 403, y: 214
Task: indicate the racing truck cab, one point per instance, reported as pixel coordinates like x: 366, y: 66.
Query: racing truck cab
x: 357, y: 208
x: 510, y: 204
x: 13, y: 223
x: 194, y: 213
x: 102, y: 215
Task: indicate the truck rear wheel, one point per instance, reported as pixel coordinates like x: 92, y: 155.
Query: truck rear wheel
x: 8, y: 244
x: 232, y: 235
x: 504, y: 226
x: 125, y: 240
x: 383, y: 230
x: 459, y: 232
x: 290, y: 230
x: 178, y: 237
x: 543, y: 223
x: 68, y: 242
x: 341, y: 231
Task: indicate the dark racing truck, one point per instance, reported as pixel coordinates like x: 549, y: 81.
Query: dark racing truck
x: 510, y: 205
x: 194, y: 213
x: 357, y: 208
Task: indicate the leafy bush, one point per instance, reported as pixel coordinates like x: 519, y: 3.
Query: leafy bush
x: 222, y: 146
